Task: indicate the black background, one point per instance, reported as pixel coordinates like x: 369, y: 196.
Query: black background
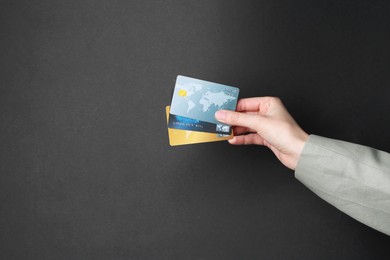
x: 86, y: 171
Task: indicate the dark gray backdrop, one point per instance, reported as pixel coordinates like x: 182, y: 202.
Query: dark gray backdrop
x: 86, y: 171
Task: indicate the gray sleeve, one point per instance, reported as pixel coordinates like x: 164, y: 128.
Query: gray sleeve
x: 353, y: 178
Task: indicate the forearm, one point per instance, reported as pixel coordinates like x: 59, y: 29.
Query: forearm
x: 351, y: 177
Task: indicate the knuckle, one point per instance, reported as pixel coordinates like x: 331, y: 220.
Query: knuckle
x: 240, y: 104
x: 233, y: 117
x: 276, y: 99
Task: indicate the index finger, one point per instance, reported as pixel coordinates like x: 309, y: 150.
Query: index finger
x: 251, y: 104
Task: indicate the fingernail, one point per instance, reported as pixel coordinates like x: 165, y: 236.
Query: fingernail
x: 220, y: 115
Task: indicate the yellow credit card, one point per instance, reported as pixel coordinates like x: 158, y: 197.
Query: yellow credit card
x: 181, y: 137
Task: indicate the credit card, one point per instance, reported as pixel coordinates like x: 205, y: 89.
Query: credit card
x: 185, y: 123
x: 182, y: 137
x: 199, y: 99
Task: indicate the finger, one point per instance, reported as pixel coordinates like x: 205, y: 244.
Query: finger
x: 252, y: 104
x: 247, y: 140
x: 239, y: 130
x: 238, y: 119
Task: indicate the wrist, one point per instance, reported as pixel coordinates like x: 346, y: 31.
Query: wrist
x: 300, y: 144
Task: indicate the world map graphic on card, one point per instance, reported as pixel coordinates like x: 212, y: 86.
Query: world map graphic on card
x: 199, y: 99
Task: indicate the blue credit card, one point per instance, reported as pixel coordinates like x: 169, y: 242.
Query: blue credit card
x: 199, y: 99
x: 185, y: 123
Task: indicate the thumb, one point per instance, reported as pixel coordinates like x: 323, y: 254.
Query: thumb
x: 237, y: 118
